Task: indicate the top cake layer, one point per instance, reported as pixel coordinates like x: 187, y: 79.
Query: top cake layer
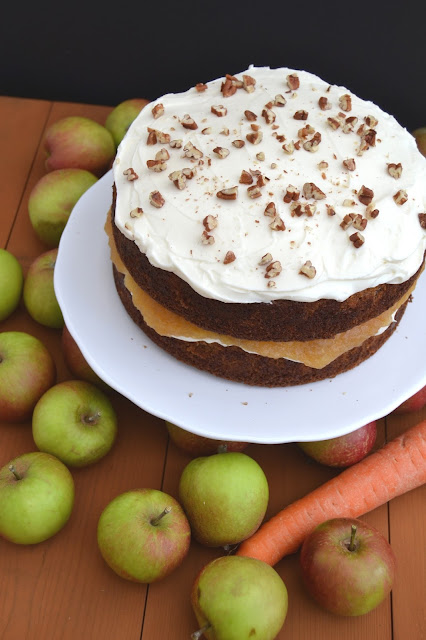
x: 270, y: 185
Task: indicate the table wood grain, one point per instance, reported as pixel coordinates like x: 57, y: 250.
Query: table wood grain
x: 61, y: 588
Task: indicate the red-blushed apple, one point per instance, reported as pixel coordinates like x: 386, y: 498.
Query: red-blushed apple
x: 420, y: 137
x: 143, y: 535
x: 235, y: 597
x: 122, y: 116
x: 39, y: 293
x: 52, y: 200
x: 343, y: 451
x: 415, y: 403
x: 75, y: 142
x: 74, y: 421
x: 11, y: 282
x: 224, y: 496
x: 347, y: 566
x: 36, y: 498
x: 27, y: 370
x: 77, y: 363
x: 199, y: 445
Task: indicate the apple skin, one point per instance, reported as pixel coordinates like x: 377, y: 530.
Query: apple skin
x: 420, y: 137
x: 224, y: 496
x: 343, y: 451
x: 75, y: 142
x: 11, y: 283
x: 122, y: 116
x: 52, y: 200
x: 39, y: 293
x: 234, y: 597
x: 415, y: 403
x: 77, y: 363
x: 132, y: 546
x: 27, y: 370
x: 76, y: 422
x: 199, y: 445
x: 347, y: 583
x: 39, y: 504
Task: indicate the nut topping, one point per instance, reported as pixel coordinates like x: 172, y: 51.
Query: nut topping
x: 266, y: 259
x: 156, y: 199
x: 292, y: 193
x: 219, y: 110
x: 310, y: 190
x: 347, y: 220
x: 175, y: 144
x: 395, y: 170
x: 269, y: 115
x: 206, y: 131
x: 349, y: 124
x: 288, y: 147
x: 207, y: 238
x: 210, y: 223
x: 136, y: 213
x: 371, y: 212
x: 330, y: 210
x: 313, y: 144
x: 162, y: 138
x: 152, y: 138
x: 254, y: 191
x: 200, y: 87
x: 333, y: 123
x: 308, y: 270
x: 273, y: 269
x: 270, y: 210
x: 279, y: 100
x: 293, y: 81
x: 229, y: 257
x: 349, y: 164
x: 359, y: 222
x: 251, y: 117
x: 163, y: 154
x: 192, y: 152
x: 345, y: 102
x: 400, y: 197
x: 178, y: 179
x: 301, y: 115
x: 248, y: 83
x: 254, y: 137
x: 158, y: 110
x: 371, y: 121
x: 238, y: 143
x: 228, y: 194
x: 221, y: 152
x: 277, y: 224
x: 357, y: 239
x: 188, y: 122
x: 324, y: 103
x: 365, y: 195
x: 156, y: 165
x: 130, y: 174
x: 422, y: 220
x: 246, y: 177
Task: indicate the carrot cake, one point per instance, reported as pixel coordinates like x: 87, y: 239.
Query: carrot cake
x: 267, y: 227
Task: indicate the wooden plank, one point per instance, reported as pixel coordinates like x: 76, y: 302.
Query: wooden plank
x: 21, y: 125
x: 407, y: 521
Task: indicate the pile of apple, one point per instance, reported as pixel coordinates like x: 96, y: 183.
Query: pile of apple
x: 145, y: 534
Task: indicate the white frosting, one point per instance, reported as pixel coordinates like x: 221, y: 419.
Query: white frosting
x: 170, y: 236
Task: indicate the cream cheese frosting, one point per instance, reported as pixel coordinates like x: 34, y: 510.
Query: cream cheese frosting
x: 282, y: 134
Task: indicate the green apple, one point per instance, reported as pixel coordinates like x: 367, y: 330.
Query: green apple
x: 11, y: 282
x: 75, y: 142
x: 343, y: 451
x: 76, y: 422
x: 235, y: 597
x: 52, y: 200
x: 143, y: 535
x: 39, y: 293
x: 347, y: 566
x: 120, y: 118
x: 420, y: 137
x: 197, y: 445
x: 225, y: 497
x: 36, y: 498
x: 77, y: 363
x: 27, y: 370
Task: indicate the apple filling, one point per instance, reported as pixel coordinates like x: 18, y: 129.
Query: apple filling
x: 312, y: 353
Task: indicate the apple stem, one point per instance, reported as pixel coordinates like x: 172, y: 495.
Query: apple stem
x: 157, y: 519
x: 15, y: 473
x: 351, y: 546
x: 197, y: 634
x: 91, y: 419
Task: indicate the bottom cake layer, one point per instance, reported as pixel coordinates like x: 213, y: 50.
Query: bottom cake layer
x: 235, y: 364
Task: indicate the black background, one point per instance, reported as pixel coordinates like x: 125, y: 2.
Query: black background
x: 104, y: 54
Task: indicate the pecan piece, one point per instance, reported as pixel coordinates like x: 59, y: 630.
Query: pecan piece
x: 248, y: 83
x: 333, y: 123
x: 349, y: 164
x: 308, y: 270
x: 221, y: 152
x: 206, y: 131
x: 238, y: 143
x: 270, y: 210
x: 330, y: 210
x: 130, y: 174
x: 255, y: 137
x: 228, y: 87
x: 291, y: 193
x: 277, y: 224
x: 313, y: 144
x: 156, y: 199
x: 219, y: 110
x: 359, y: 222
x: 158, y: 110
x: 269, y: 115
x: 229, y: 257
x: 176, y: 144
x: 365, y: 195
x: 347, y: 221
x: 152, y: 138
x: 246, y: 177
x: 395, y: 170
x: 200, y: 87
x: 162, y: 138
x: 188, y: 123
x: 251, y: 117
x: 210, y: 222
x: 349, y: 124
x: 163, y: 154
x: 136, y: 213
x: 293, y: 81
x: 206, y: 238
x: 345, y: 102
x: 324, y: 103
x: 301, y: 115
x: 192, y: 152
x: 400, y: 196
x: 266, y: 259
x: 310, y: 190
x: 279, y: 100
x: 254, y: 191
x: 273, y: 269
x: 357, y: 239
x: 371, y: 121
x: 371, y: 212
x: 156, y: 165
x: 178, y: 179
x: 228, y: 194
x: 422, y: 220
x: 288, y: 147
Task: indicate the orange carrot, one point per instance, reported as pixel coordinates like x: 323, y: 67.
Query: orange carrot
x: 394, y: 469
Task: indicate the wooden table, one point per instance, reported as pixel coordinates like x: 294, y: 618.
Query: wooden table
x: 62, y: 589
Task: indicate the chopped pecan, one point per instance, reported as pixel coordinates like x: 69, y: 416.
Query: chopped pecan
x: 357, y: 239
x: 188, y: 123
x: 251, y: 117
x: 288, y: 147
x: 210, y: 222
x: 308, y: 270
x: 156, y: 199
x: 200, y: 87
x: 310, y: 190
x: 401, y: 196
x: 347, y: 220
x: 305, y: 131
x: 271, y: 284
x: 313, y: 144
x: 136, y: 213
x: 371, y: 212
x: 277, y: 224
x: 188, y: 173
x: 192, y: 152
x: 309, y: 209
x: 291, y: 193
x: 238, y: 143
x: 254, y: 191
x: 296, y: 209
x: 254, y: 127
x: 262, y: 181
x: 225, y: 131
x: 269, y: 115
x: 349, y: 124
x: 130, y: 174
x: 273, y: 269
x: 163, y: 154
x: 248, y: 83
x: 260, y: 156
x: 206, y: 238
x: 270, y: 210
x: 422, y: 220
x: 359, y: 222
x: 330, y: 210
x: 228, y: 87
x: 221, y: 152
x: 395, y: 170
x: 293, y: 81
x: 349, y: 164
x: 178, y: 179
x: 301, y: 115
x: 156, y: 165
x: 219, y: 110
x: 322, y: 165
x: 279, y: 100
x: 176, y: 144
x: 333, y: 123
x: 368, y: 139
x: 345, y: 102
x: 255, y: 137
x: 246, y: 177
x: 228, y: 194
x: 365, y: 195
x: 266, y: 259
x: 152, y: 138
x: 157, y: 110
x: 324, y: 103
x: 371, y: 121
x: 229, y: 257
x: 206, y: 131
x: 162, y: 138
